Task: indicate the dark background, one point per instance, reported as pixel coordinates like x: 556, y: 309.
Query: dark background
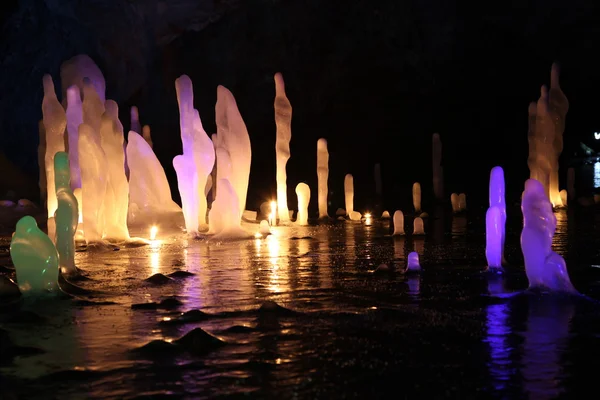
x: 376, y: 78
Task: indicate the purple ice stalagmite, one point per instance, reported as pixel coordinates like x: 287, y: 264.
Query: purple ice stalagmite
x: 545, y: 269
x: 74, y: 119
x: 495, y: 221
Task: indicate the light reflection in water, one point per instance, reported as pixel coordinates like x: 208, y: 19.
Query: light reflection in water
x: 459, y: 226
x: 419, y: 245
x: 399, y: 243
x: 597, y: 175
x: 497, y: 337
x: 414, y: 286
x: 155, y: 261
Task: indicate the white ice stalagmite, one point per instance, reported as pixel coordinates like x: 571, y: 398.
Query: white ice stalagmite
x: 66, y: 216
x: 74, y: 119
x: 94, y: 180
x: 187, y: 181
x: 233, y: 136
x: 149, y: 191
x: 75, y: 70
x: 349, y: 193
x: 283, y: 121
x: 303, y: 193
x: 545, y: 269
x: 418, y: 226
x: 398, y: 223
x: 93, y: 106
x: 224, y: 216
x: 55, y: 122
x: 322, y: 176
x: 495, y: 221
x: 462, y: 202
x: 416, y: 194
x: 116, y: 201
x: 413, y: 264
x: 147, y: 135
x: 438, y: 171
x: 135, y: 120
x: 454, y: 202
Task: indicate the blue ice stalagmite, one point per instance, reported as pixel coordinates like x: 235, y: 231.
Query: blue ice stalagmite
x: 35, y: 259
x: 66, y: 216
x: 545, y: 269
x: 224, y: 217
x: 495, y: 221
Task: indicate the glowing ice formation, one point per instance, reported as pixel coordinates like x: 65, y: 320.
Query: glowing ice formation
x: 438, y: 170
x: 187, y: 182
x: 462, y: 202
x: 564, y: 197
x: 355, y: 216
x: 94, y: 181
x: 545, y: 269
x: 454, y: 202
x: 55, y: 122
x: 74, y: 119
x: 233, y: 137
x: 413, y: 262
x: 398, y: 223
x: 418, y: 227
x: 559, y: 106
x: 135, y: 120
x: 385, y: 215
x: 349, y: 193
x: 75, y: 70
x: 224, y: 218
x: 416, y: 194
x: 67, y: 214
x: 116, y: 200
x: 35, y: 259
x: 322, y: 176
x: 283, y: 121
x: 93, y: 106
x: 303, y: 193
x: 495, y: 221
x: 147, y: 135
x: 148, y: 187
x: 264, y: 229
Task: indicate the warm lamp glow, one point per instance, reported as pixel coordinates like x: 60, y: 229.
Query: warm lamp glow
x: 368, y: 219
x: 273, y: 213
x: 153, y: 232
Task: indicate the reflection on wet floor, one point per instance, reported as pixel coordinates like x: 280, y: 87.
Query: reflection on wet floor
x: 335, y: 329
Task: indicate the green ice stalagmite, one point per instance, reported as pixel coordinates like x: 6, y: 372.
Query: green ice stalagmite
x: 67, y: 214
x: 35, y: 259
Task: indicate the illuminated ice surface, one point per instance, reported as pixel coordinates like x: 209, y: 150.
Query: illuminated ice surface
x: 75, y: 70
x: 495, y: 221
x: 224, y: 219
x: 454, y: 202
x: 545, y: 269
x: 355, y: 216
x: 67, y: 214
x: 398, y: 222
x: 303, y: 194
x: 322, y: 176
x: 416, y: 194
x: 349, y: 193
x: 283, y: 121
x: 462, y: 202
x: 74, y: 119
x: 412, y: 264
x: 418, y: 227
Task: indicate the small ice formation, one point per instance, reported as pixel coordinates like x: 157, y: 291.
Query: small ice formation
x: 398, y: 223
x: 74, y: 119
x: 283, y: 121
x: 355, y: 216
x: 233, y: 137
x: 340, y: 212
x: 264, y: 229
x: 495, y: 221
x: 135, y: 120
x: 224, y: 218
x: 438, y: 170
x: 413, y: 262
x: 322, y: 176
x: 55, y: 123
x: 385, y: 215
x: 418, y: 227
x: 416, y: 193
x: 462, y: 202
x: 35, y: 259
x: 545, y: 269
x: 66, y: 216
x: 546, y: 127
x: 564, y: 197
x: 349, y: 193
x: 455, y: 203
x: 303, y: 193
x: 147, y: 136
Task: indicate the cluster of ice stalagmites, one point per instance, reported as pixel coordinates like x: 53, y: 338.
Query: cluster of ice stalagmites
x: 546, y: 128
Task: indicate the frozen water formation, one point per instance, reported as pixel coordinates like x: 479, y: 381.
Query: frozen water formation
x: 418, y: 227
x: 455, y: 203
x: 545, y: 269
x: 135, y: 120
x: 224, y: 218
x: 416, y: 193
x: 232, y: 138
x: 283, y: 121
x: 74, y: 71
x: 398, y: 223
x: 546, y: 128
x: 413, y: 262
x: 495, y: 221
x: 303, y: 193
x: 74, y: 119
x: 264, y: 229
x: 195, y: 165
x: 349, y: 193
x: 66, y: 216
x: 385, y: 215
x: 438, y: 170
x: 322, y: 176
x: 355, y: 216
x: 35, y: 259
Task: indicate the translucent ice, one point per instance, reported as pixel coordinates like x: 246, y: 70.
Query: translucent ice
x: 35, y: 259
x: 187, y: 182
x: 349, y: 193
x: 413, y: 262
x: 545, y: 269
x: 224, y: 218
x: 495, y: 221
x: 559, y: 106
x: 322, y: 176
x: 74, y: 119
x: 233, y: 136
x: 564, y: 197
x: 78, y: 68
x: 454, y: 202
x: 116, y: 201
x: 355, y: 216
x: 438, y: 171
x: 303, y: 193
x: 418, y: 227
x: 462, y: 202
x: 283, y: 121
x: 67, y: 214
x: 416, y: 193
x: 398, y: 223
x: 135, y: 120
x: 93, y: 106
x: 147, y: 135
x: 55, y: 122
x: 385, y: 215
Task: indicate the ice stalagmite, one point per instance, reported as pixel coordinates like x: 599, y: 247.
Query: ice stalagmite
x: 303, y: 193
x: 398, y: 223
x: 416, y: 193
x: 545, y: 269
x: 66, y: 216
x: 92, y: 105
x: 187, y: 181
x: 94, y: 179
x: 322, y: 176
x: 75, y: 70
x: 349, y: 193
x: 559, y: 106
x: 418, y: 227
x: 495, y: 221
x: 135, y: 120
x: 117, y: 189
x: 147, y: 136
x: 224, y: 217
x: 35, y: 259
x: 55, y: 122
x: 233, y: 136
x: 74, y: 119
x: 438, y: 171
x: 283, y: 121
